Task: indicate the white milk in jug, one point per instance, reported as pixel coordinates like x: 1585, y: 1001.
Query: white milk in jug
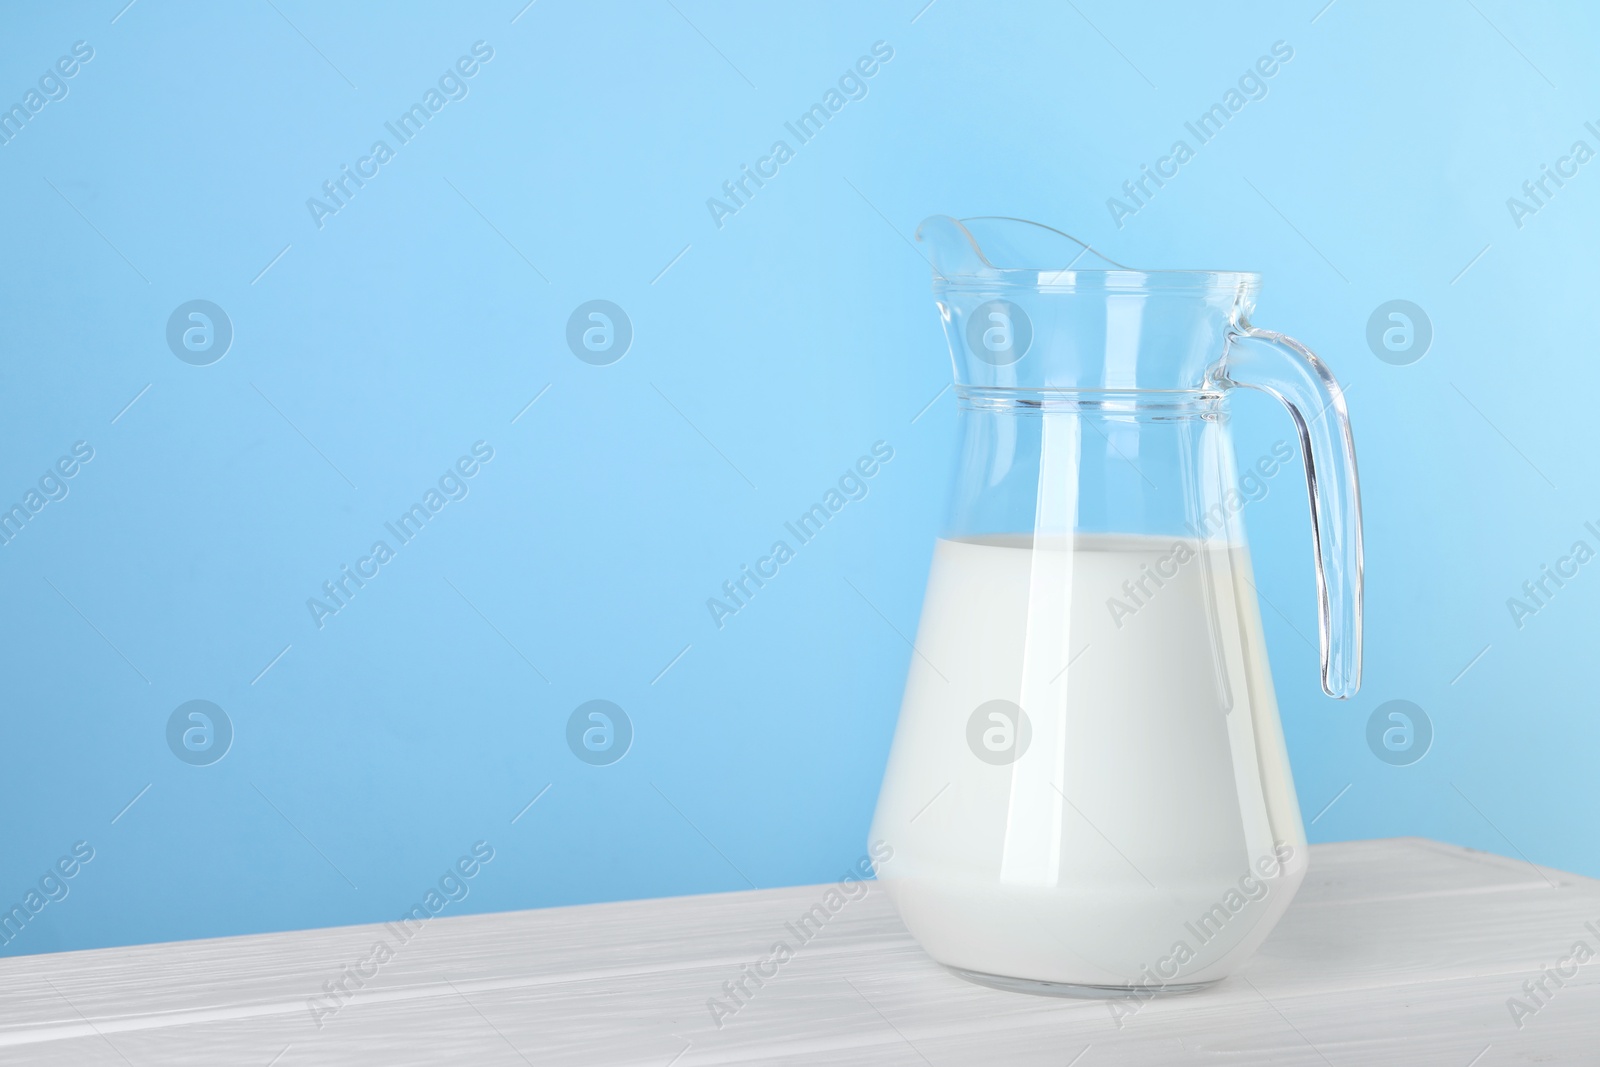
x: 1134, y: 824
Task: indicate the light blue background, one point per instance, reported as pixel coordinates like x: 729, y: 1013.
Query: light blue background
x: 777, y: 349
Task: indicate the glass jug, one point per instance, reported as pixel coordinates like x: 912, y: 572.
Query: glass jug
x: 1088, y: 791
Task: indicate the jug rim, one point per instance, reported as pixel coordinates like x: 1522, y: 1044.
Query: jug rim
x: 1072, y: 280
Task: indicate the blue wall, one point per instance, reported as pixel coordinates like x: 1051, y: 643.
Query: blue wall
x: 392, y: 335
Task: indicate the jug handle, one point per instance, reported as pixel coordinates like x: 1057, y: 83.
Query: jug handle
x: 1283, y: 367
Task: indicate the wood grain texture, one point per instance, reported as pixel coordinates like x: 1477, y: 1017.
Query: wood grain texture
x: 1402, y: 951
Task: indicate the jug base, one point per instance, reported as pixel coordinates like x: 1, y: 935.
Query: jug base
x: 1081, y: 992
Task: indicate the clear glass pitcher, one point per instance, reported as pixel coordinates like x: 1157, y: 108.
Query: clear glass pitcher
x: 1088, y: 790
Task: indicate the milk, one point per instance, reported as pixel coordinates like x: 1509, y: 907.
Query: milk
x: 1148, y: 833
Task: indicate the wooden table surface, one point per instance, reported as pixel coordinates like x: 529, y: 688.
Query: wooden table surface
x: 1401, y: 951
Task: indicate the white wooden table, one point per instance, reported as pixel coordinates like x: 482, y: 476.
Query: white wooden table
x: 1403, y: 951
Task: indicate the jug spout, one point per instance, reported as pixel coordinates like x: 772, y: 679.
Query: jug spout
x: 987, y: 245
x: 950, y: 248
